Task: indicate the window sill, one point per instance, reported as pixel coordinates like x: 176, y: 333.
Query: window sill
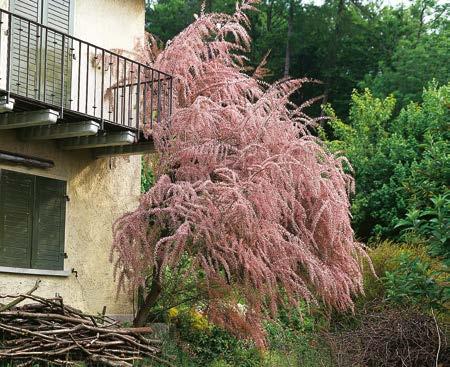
x: 55, y: 273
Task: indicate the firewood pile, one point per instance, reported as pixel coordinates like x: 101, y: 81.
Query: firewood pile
x: 46, y: 331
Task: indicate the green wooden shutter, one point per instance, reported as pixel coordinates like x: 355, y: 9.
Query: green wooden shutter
x: 25, y: 50
x: 49, y: 223
x: 57, y: 15
x: 36, y: 64
x: 16, y: 210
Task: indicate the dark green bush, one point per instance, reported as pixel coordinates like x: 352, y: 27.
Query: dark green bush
x: 413, y: 283
x: 431, y: 224
x: 399, y: 161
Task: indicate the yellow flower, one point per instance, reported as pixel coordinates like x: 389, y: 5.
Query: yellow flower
x: 173, y: 313
x: 199, y: 321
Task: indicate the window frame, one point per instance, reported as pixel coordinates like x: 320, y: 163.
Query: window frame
x: 36, y: 206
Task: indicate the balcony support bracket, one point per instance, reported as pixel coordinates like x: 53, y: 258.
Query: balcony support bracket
x: 14, y: 120
x: 104, y: 140
x: 6, y: 106
x: 133, y: 149
x: 59, y: 131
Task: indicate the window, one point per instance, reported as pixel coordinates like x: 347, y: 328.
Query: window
x: 32, y: 221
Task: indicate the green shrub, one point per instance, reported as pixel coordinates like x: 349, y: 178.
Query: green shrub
x: 208, y: 344
x: 399, y: 161
x: 432, y: 225
x: 385, y: 259
x: 406, y: 275
x: 381, y: 255
x: 413, y: 283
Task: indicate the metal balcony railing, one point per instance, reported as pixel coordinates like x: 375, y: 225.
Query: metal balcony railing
x: 52, y: 69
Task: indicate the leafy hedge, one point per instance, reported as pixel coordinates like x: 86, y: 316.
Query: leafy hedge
x: 400, y: 161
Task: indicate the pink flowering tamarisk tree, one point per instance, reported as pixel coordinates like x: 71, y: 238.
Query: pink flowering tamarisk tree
x: 243, y: 188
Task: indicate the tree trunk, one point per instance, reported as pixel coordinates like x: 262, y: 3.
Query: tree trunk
x: 269, y: 15
x: 149, y: 301
x: 332, y: 53
x: 287, y: 58
x: 421, y: 21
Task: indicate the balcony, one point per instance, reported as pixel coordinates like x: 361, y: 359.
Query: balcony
x: 54, y: 86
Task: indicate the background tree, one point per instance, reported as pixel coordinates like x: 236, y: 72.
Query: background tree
x: 290, y: 25
x: 343, y: 43
x: 419, y: 55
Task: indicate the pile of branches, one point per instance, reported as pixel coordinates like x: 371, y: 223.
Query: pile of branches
x: 392, y: 338
x: 46, y: 331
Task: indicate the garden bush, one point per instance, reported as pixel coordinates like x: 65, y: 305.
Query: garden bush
x: 405, y: 274
x: 432, y: 225
x: 400, y: 161
x: 382, y: 255
x: 414, y: 283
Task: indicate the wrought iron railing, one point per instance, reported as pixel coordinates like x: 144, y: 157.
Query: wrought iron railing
x: 43, y: 65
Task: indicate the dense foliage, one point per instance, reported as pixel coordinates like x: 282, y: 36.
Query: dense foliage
x: 343, y: 43
x: 401, y: 162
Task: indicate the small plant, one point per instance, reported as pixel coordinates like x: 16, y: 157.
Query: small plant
x: 147, y: 176
x: 205, y: 344
x: 414, y: 283
x: 432, y: 224
x: 437, y: 227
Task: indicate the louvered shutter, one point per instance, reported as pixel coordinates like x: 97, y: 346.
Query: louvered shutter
x: 56, y: 14
x: 49, y: 223
x: 16, y: 211
x: 44, y: 53
x: 25, y: 48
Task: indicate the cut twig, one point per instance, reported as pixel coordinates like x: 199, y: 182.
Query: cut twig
x: 48, y: 331
x: 20, y: 298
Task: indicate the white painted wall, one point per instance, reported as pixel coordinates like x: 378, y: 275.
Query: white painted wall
x: 110, y: 24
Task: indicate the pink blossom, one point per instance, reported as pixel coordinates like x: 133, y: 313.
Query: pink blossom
x: 243, y: 187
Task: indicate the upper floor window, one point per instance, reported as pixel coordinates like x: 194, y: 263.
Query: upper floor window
x: 32, y: 221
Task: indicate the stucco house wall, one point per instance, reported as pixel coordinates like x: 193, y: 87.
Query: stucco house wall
x: 100, y: 190
x: 112, y: 24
